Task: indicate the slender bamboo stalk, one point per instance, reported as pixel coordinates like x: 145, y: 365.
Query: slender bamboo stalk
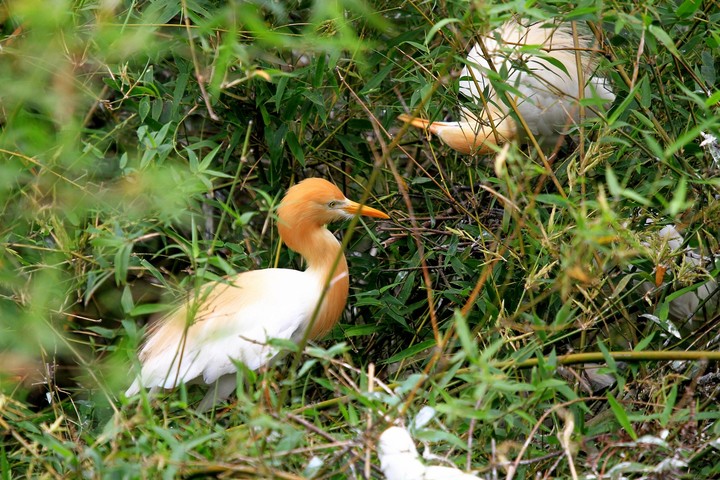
x: 625, y: 356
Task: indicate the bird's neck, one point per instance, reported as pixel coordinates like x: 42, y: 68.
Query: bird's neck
x: 471, y: 136
x: 326, y: 263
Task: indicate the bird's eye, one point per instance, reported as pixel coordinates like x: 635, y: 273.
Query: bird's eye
x: 332, y: 204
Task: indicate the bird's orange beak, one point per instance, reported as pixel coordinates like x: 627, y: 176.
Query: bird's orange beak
x: 354, y: 208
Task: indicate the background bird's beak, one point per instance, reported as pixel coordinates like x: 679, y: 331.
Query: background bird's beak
x: 354, y: 208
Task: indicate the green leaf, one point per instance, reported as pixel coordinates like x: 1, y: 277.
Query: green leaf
x: 103, y: 332
x: 377, y: 79
x: 678, y: 202
x: 612, y: 182
x: 664, y: 38
x: 436, y: 28
x: 126, y: 300
x: 361, y: 330
x: 624, y: 105
x: 688, y: 8
x: 410, y: 352
x: 606, y: 354
x: 619, y: 191
x: 467, y: 340
x: 148, y: 309
x: 295, y: 148
x: 551, y: 199
x: 319, y: 72
x: 713, y: 99
x: 144, y: 108
x: 122, y: 262
x: 669, y: 402
x: 644, y: 342
x: 621, y: 416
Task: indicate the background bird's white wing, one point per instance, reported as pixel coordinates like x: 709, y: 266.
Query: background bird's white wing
x: 473, y: 77
x: 230, y: 322
x: 685, y: 308
x: 547, y: 92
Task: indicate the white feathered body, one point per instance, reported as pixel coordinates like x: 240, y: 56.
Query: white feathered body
x: 540, y: 62
x: 399, y: 460
x: 538, y: 66
x: 228, y: 322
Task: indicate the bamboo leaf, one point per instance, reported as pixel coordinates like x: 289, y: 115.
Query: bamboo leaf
x: 621, y: 416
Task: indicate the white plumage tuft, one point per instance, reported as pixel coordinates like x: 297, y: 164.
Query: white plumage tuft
x: 276, y: 303
x: 399, y: 460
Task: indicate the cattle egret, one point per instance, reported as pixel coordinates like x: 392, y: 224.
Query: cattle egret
x: 686, y: 309
x: 233, y: 320
x: 539, y: 65
x: 399, y: 460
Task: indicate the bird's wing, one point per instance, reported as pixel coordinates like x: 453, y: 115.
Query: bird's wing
x: 227, y: 321
x: 544, y: 89
x: 473, y: 77
x: 546, y: 82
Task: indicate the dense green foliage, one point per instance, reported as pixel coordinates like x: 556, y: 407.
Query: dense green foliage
x: 145, y: 145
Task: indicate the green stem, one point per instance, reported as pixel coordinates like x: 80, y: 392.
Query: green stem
x: 627, y: 356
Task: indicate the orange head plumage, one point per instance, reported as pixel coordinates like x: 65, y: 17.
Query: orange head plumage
x: 303, y: 213
x: 309, y: 205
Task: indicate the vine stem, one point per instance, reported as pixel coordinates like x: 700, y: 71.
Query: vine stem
x: 626, y: 356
